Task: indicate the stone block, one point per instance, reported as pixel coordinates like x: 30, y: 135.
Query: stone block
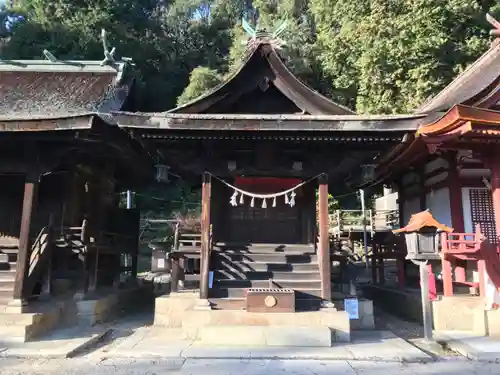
x: 493, y: 319
x: 298, y: 336
x: 232, y: 336
x: 460, y: 313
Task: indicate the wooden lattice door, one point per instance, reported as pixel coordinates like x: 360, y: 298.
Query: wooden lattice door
x: 481, y: 205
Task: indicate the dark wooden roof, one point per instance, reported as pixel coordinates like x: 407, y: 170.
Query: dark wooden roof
x: 263, y: 72
x: 48, y: 90
x: 270, y: 123
x: 478, y: 85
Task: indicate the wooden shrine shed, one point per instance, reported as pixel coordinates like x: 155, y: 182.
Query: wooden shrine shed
x: 259, y: 133
x: 63, y: 162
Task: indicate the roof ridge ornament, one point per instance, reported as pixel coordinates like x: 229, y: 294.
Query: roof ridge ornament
x: 260, y: 35
x: 109, y: 55
x: 496, y: 31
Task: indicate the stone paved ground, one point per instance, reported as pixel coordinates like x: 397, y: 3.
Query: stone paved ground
x: 85, y: 365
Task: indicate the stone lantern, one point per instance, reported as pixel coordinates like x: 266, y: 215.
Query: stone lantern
x: 422, y: 236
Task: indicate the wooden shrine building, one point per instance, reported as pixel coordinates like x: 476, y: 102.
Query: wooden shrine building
x: 451, y: 165
x: 63, y: 161
x: 254, y: 141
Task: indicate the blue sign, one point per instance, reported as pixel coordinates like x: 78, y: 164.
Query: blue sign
x: 210, y: 279
x: 351, y: 306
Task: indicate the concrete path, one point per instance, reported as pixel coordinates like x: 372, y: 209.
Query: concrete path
x: 478, y: 348
x: 133, y: 366
x: 154, y: 342
x: 62, y: 343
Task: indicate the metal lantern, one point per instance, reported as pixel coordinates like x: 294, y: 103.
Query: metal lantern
x: 422, y: 236
x: 162, y: 172
x: 367, y: 172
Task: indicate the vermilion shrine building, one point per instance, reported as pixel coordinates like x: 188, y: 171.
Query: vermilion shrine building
x: 451, y: 166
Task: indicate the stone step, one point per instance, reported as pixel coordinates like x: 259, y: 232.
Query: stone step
x: 13, y: 333
x: 265, y: 248
x: 265, y: 257
x: 7, y: 285
x: 7, y: 275
x: 270, y: 335
x: 8, y: 266
x: 234, y: 274
x: 8, y: 257
x: 228, y: 303
x: 246, y: 266
x: 288, y: 284
x: 218, y: 292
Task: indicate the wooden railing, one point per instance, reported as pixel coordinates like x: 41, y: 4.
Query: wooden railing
x: 357, y: 221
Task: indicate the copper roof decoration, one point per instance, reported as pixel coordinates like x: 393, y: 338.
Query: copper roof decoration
x: 261, y: 35
x: 52, y: 88
x: 422, y: 220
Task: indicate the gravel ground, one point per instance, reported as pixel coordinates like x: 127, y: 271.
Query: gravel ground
x: 410, y: 331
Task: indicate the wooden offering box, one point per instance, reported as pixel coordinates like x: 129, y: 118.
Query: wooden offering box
x: 270, y: 300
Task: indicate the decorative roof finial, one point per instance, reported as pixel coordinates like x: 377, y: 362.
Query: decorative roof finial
x: 109, y: 55
x: 49, y: 56
x: 496, y: 31
x: 261, y: 35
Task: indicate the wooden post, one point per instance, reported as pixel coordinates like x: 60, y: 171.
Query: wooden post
x: 174, y: 281
x: 494, y: 164
x: 47, y: 282
x: 23, y: 256
x: 400, y: 263
x: 325, y: 266
x: 456, y: 210
x: 205, y: 235
x: 374, y: 263
x: 446, y: 269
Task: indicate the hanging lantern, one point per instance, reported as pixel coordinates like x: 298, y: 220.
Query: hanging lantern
x: 162, y: 172
x: 368, y: 172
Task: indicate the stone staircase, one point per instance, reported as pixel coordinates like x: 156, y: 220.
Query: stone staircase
x: 8, y: 258
x: 238, y: 267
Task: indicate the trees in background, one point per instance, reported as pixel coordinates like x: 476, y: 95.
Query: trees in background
x: 376, y: 56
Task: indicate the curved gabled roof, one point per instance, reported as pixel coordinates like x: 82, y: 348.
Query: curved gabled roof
x: 263, y: 68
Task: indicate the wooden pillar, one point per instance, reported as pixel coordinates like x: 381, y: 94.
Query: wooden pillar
x: 374, y: 264
x: 205, y: 235
x: 446, y: 269
x: 494, y: 164
x: 23, y: 256
x: 324, y: 248
x: 456, y: 210
x: 400, y: 262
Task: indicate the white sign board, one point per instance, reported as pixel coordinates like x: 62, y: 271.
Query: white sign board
x: 161, y: 263
x: 351, y: 306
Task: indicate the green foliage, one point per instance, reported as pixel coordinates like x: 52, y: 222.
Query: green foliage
x: 201, y: 80
x: 390, y: 56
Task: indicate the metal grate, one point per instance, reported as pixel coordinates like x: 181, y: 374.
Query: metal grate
x: 481, y: 205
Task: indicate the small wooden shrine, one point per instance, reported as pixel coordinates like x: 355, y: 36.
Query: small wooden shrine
x: 262, y: 144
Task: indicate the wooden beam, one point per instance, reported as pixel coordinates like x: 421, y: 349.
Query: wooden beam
x: 205, y: 235
x: 23, y: 256
x: 324, y: 248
